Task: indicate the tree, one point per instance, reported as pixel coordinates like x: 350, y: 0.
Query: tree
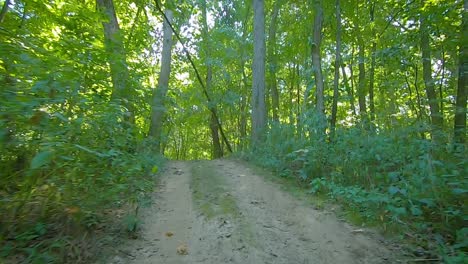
x: 159, y: 95
x: 4, y: 10
x: 273, y: 61
x: 372, y: 66
x: 217, y: 151
x: 337, y: 68
x: 460, y: 104
x: 362, y: 80
x: 258, y: 69
x: 436, y: 116
x: 317, y: 64
x: 115, y: 48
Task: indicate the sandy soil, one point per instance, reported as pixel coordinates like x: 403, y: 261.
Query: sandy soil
x: 245, y: 219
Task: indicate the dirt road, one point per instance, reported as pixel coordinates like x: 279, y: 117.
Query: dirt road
x: 222, y: 212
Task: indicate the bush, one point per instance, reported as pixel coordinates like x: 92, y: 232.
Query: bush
x: 388, y: 177
x: 61, y: 172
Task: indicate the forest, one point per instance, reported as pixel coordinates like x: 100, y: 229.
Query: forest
x: 360, y: 102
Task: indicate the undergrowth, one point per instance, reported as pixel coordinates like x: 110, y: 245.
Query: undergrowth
x: 406, y: 185
x: 63, y: 177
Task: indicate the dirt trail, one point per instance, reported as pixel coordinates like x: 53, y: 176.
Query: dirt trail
x: 221, y: 212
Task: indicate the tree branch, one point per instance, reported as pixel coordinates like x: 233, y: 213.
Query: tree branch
x: 5, y: 7
x: 205, y: 92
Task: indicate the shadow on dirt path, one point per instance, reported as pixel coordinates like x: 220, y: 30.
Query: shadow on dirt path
x: 222, y: 212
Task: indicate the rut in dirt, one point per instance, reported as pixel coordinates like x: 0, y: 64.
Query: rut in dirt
x: 223, y: 212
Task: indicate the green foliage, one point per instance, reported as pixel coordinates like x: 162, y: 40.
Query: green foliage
x: 389, y: 178
x: 68, y: 153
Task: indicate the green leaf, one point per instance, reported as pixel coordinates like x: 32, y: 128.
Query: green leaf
x: 41, y: 159
x: 154, y: 169
x: 459, y: 191
x: 61, y: 117
x: 416, y: 211
x: 40, y: 229
x: 392, y: 190
x: 101, y: 155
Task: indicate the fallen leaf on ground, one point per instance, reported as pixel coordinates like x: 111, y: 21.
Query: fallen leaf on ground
x: 182, y: 249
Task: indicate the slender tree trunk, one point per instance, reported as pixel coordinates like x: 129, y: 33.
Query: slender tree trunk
x: 416, y: 87
x: 441, y: 81
x: 422, y: 113
x: 460, y: 110
x: 214, y: 128
x: 362, y: 82
x: 412, y: 105
x: 361, y: 87
x: 4, y: 11
x: 372, y: 67
x: 116, y: 52
x: 337, y: 69
x: 258, y: 69
x: 159, y: 96
x: 298, y: 98
x: 352, y: 76
x: 317, y: 64
x: 292, y: 74
x: 244, y: 98
x: 243, y: 108
x: 436, y: 116
x: 273, y: 60
x: 349, y: 89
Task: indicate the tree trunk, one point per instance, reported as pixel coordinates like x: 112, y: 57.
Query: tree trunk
x: 4, y: 11
x: 292, y: 75
x: 349, y: 89
x: 214, y: 128
x: 436, y: 117
x: 317, y: 65
x: 258, y: 69
x: 116, y: 52
x: 372, y: 67
x: 337, y: 69
x: 159, y: 96
x: 273, y: 60
x: 244, y: 100
x: 460, y: 110
x: 362, y: 82
x: 361, y: 87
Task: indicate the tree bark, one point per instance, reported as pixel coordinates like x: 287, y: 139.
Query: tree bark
x: 4, y: 11
x: 217, y: 152
x: 317, y: 65
x: 337, y: 69
x: 244, y: 100
x: 116, y: 52
x: 362, y: 81
x: 272, y: 67
x: 159, y: 96
x: 372, y: 66
x: 361, y: 87
x: 349, y: 89
x: 460, y: 105
x: 436, y: 116
x: 258, y: 69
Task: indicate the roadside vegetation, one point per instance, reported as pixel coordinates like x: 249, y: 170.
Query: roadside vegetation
x: 362, y: 102
x: 393, y: 180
